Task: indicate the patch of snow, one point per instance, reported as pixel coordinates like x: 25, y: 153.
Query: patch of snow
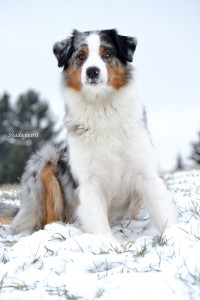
x: 63, y: 262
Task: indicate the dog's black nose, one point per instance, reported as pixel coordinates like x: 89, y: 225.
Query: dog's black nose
x: 92, y: 72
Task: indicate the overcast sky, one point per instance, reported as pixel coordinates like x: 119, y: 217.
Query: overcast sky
x: 167, y: 58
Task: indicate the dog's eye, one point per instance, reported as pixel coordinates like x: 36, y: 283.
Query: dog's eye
x: 106, y: 55
x: 81, y: 56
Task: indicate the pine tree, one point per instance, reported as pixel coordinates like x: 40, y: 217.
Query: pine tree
x: 31, y: 116
x: 5, y: 116
x: 195, y: 156
x: 7, y: 169
x: 180, y: 163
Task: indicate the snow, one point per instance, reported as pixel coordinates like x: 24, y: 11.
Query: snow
x: 63, y: 262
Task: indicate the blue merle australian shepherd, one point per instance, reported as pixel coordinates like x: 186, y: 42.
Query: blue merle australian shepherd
x: 108, y: 168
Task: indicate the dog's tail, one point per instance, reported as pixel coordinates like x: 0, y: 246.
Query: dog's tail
x: 7, y: 212
x: 41, y: 200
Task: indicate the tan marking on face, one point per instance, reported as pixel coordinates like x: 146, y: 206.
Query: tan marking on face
x: 116, y: 76
x: 85, y: 50
x: 53, y: 198
x: 74, y: 71
x: 74, y: 77
x: 102, y: 49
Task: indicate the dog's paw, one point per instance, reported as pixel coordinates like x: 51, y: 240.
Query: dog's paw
x: 112, y: 245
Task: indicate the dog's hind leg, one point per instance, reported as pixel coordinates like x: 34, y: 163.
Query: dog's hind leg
x: 53, y: 197
x: 40, y: 194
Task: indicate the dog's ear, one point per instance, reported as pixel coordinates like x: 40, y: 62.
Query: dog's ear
x: 63, y: 50
x: 127, y: 46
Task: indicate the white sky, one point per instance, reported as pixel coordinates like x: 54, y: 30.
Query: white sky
x: 167, y: 58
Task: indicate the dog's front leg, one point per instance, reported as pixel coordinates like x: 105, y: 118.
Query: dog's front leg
x: 92, y: 211
x: 156, y: 199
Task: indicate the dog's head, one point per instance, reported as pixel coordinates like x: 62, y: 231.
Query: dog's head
x: 95, y: 59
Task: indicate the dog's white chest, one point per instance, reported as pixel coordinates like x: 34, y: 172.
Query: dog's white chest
x: 102, y: 153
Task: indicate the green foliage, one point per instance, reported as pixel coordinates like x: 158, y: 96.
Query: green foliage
x: 142, y: 251
x: 195, y: 156
x: 24, y: 128
x: 179, y: 164
x: 159, y: 240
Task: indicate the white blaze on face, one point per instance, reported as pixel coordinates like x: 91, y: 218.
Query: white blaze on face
x: 94, y: 60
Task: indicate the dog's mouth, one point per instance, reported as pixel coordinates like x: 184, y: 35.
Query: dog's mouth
x: 94, y: 81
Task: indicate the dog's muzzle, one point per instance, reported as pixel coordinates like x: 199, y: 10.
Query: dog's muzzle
x: 93, y: 75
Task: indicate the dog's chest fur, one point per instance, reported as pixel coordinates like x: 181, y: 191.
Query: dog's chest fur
x: 102, y: 140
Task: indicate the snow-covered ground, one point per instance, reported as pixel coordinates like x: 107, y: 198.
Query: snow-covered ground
x: 62, y: 262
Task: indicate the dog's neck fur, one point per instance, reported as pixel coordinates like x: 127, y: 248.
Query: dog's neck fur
x: 102, y: 110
